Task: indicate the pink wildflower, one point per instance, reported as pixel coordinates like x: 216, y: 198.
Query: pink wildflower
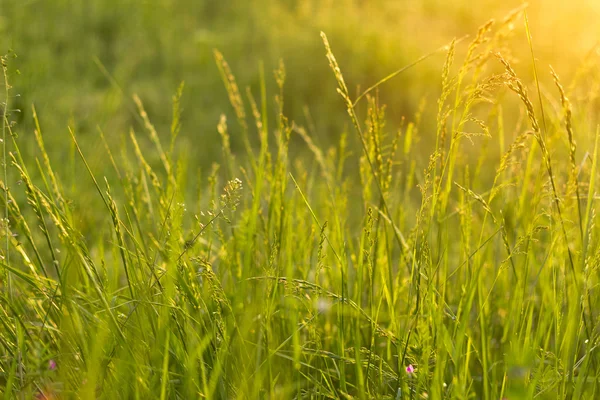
x: 410, y: 369
x: 51, y: 365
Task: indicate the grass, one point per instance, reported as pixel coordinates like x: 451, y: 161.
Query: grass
x: 344, y: 272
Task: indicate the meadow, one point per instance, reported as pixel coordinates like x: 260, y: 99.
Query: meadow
x: 317, y: 216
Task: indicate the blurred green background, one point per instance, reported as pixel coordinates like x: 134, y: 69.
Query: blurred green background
x: 148, y: 47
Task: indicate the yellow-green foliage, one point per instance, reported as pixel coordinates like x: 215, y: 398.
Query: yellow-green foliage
x: 314, y: 246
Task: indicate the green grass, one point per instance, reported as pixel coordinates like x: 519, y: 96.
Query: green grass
x: 316, y: 274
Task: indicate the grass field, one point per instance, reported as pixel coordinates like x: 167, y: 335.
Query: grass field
x: 323, y: 245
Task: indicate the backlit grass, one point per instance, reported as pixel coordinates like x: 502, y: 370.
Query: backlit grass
x: 362, y: 270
